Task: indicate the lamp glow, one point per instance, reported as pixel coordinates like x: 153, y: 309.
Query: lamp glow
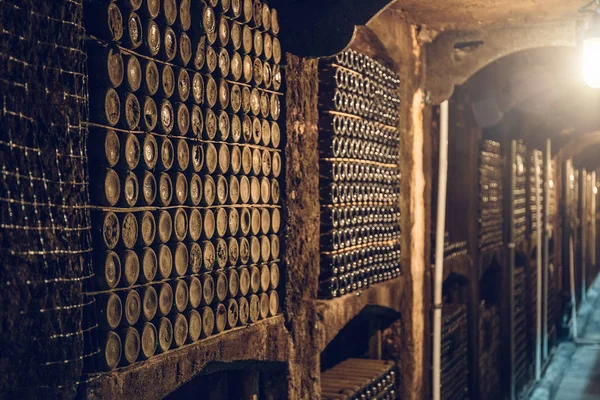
x: 591, y: 58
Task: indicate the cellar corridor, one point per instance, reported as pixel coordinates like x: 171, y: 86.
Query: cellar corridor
x: 299, y: 199
x: 574, y: 370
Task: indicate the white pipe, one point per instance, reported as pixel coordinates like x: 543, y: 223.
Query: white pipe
x: 547, y: 234
x: 538, y: 254
x: 440, y: 228
x: 593, y: 219
x: 573, y: 294
x: 583, y: 239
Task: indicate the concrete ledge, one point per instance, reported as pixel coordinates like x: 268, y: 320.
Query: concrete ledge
x: 334, y: 314
x: 266, y: 340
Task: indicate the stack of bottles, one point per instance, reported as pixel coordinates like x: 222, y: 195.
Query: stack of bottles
x: 359, y: 173
x: 489, y: 351
x: 535, y: 190
x: 521, y: 339
x: 358, y: 379
x: 552, y: 195
x: 553, y: 304
x: 520, y: 194
x: 490, y: 196
x: 185, y: 170
x: 454, y: 359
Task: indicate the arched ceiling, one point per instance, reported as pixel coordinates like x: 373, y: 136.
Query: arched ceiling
x: 465, y: 15
x: 538, y: 94
x: 320, y: 28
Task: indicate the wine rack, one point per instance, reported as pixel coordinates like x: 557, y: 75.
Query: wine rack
x: 454, y: 358
x: 520, y: 193
x: 489, y: 351
x: 359, y: 173
x: 490, y: 196
x: 521, y: 338
x: 356, y: 378
x: 185, y: 148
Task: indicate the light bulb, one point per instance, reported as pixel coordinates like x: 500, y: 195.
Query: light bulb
x: 595, y: 190
x: 591, y: 58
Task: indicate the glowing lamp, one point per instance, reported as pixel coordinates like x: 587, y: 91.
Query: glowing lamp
x: 591, y: 57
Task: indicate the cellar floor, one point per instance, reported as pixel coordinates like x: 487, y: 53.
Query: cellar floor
x: 574, y: 372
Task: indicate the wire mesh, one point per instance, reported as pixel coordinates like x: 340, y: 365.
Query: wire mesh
x: 44, y: 221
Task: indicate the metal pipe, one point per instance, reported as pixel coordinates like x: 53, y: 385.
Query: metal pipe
x: 547, y: 234
x: 538, y: 254
x: 573, y: 294
x: 511, y: 266
x: 439, y: 251
x: 582, y: 225
x: 593, y: 217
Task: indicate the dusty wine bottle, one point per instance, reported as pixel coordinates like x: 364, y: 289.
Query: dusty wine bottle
x: 266, y: 17
x: 130, y: 339
x: 109, y: 355
x: 105, y: 105
x: 106, y: 63
x: 273, y: 303
x: 130, y: 152
x: 183, y: 84
x: 256, y: 21
x: 181, y: 188
x: 166, y: 154
x: 109, y: 310
x: 165, y: 189
x: 107, y: 269
x: 209, y: 191
x: 165, y: 334
x: 244, y: 310
x: 184, y: 17
x: 196, y: 124
x: 208, y: 321
x: 149, y: 115
x: 232, y: 313
x: 208, y: 289
x: 129, y: 230
x: 274, y: 22
x: 195, y: 292
x: 167, y: 80
x: 233, y: 251
x: 195, y: 225
x: 223, y: 32
x: 132, y: 307
x: 149, y: 266
x: 148, y: 187
x: 194, y: 321
x: 104, y: 20
x: 195, y: 192
x: 220, y: 312
x: 148, y: 340
x: 180, y: 295
x: 221, y: 253
x: 264, y: 305
x: 133, y: 35
x: 244, y: 247
x: 254, y: 308
x: 147, y: 226
x: 209, y: 23
x: 150, y: 8
x: 129, y: 190
x: 151, y: 38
